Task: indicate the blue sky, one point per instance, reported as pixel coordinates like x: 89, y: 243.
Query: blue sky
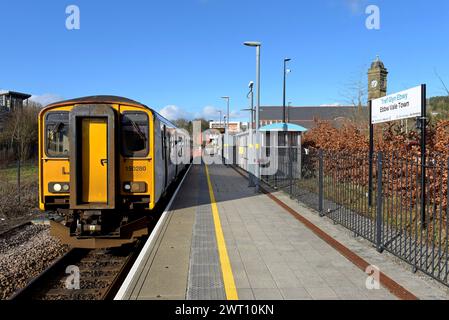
x: 181, y: 56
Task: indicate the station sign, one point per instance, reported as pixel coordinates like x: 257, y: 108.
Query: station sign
x: 402, y: 105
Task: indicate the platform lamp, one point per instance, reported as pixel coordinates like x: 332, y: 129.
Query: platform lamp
x: 258, y: 46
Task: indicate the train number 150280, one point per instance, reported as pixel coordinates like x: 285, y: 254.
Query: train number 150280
x: 136, y: 168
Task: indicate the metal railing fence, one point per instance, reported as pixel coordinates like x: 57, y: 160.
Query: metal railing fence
x: 336, y: 184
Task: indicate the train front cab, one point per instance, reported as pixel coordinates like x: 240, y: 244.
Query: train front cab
x: 99, y: 174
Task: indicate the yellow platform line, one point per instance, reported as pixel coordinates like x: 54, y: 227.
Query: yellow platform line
x: 226, y: 269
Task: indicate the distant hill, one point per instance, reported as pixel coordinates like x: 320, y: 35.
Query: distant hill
x: 438, y: 107
x: 439, y: 101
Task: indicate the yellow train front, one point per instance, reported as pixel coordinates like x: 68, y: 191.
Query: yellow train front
x: 104, y: 163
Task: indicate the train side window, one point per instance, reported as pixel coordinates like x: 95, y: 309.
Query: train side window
x: 135, y: 134
x: 168, y: 143
x: 57, y: 134
x: 163, y: 141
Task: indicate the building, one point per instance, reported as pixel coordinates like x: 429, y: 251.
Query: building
x: 307, y: 116
x: 234, y: 127
x: 377, y: 80
x: 10, y: 101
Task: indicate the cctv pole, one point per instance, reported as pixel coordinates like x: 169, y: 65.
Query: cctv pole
x: 227, y: 116
x: 250, y: 166
x: 226, y: 146
x: 287, y: 137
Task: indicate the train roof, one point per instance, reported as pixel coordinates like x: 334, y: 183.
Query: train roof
x: 99, y: 99
x: 110, y: 100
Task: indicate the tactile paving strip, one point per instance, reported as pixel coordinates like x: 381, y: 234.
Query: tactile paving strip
x: 205, y: 278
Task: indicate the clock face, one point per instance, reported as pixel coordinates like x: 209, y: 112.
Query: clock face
x: 374, y: 84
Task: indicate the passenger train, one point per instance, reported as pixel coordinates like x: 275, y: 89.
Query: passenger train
x: 104, y: 164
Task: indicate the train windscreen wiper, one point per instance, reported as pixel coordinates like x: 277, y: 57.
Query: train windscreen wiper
x: 57, y: 128
x: 137, y: 129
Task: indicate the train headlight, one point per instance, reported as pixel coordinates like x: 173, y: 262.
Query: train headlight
x: 58, y: 187
x: 135, y: 187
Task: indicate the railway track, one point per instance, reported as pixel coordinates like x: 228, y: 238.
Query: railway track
x: 100, y: 272
x: 11, y: 230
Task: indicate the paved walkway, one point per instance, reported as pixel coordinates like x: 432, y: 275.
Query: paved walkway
x: 274, y: 256
x: 257, y: 246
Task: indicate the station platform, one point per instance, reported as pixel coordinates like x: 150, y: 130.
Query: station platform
x: 220, y: 240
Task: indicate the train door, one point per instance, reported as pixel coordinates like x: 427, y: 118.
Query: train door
x: 92, y: 157
x: 94, y: 160
x: 165, y: 155
x: 175, y: 152
x: 171, y: 149
x: 159, y: 159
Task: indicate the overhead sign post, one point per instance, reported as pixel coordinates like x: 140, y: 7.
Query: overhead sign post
x: 406, y: 104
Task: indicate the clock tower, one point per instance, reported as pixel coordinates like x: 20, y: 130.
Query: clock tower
x: 377, y: 80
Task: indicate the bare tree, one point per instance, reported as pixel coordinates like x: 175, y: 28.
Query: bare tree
x: 21, y: 130
x: 355, y: 93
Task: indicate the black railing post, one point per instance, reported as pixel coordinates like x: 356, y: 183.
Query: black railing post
x: 423, y: 154
x: 379, y: 215
x: 371, y: 155
x: 279, y: 167
x: 321, y: 183
x: 290, y: 169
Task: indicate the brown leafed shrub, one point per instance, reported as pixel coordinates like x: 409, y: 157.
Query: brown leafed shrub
x: 348, y: 148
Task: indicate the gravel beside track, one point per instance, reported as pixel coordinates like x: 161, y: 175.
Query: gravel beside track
x: 24, y: 254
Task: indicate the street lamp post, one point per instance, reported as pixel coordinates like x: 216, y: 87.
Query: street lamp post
x: 227, y: 128
x: 223, y: 155
x: 287, y: 137
x: 220, y: 116
x: 258, y: 47
x: 284, y: 114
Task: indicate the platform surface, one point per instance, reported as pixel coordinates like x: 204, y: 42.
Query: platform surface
x: 241, y: 245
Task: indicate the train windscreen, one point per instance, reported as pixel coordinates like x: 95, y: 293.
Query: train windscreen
x: 135, y: 134
x: 57, y: 134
